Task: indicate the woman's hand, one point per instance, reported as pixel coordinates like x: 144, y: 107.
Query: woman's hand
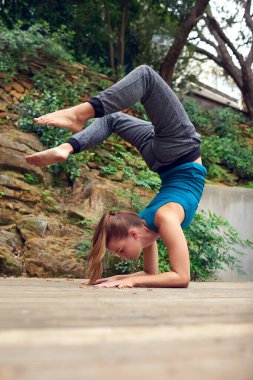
x: 121, y: 284
x: 107, y: 279
x: 101, y: 280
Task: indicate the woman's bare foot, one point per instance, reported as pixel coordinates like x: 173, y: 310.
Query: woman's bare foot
x: 50, y: 156
x: 70, y: 118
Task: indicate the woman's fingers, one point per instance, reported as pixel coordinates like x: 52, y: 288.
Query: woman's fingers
x: 108, y: 284
x: 100, y: 280
x: 85, y: 282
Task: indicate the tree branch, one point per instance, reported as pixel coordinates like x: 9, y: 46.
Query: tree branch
x: 207, y: 54
x: 249, y: 58
x: 249, y: 23
x: 214, y: 26
x: 168, y: 65
x: 204, y: 39
x: 248, y: 17
x: 228, y: 66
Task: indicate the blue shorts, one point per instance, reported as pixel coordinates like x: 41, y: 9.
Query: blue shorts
x: 183, y: 184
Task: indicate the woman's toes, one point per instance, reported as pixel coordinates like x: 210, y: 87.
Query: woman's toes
x: 53, y: 123
x: 49, y: 122
x: 38, y: 121
x: 41, y: 119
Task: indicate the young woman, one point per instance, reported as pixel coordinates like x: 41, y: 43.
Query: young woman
x: 169, y: 144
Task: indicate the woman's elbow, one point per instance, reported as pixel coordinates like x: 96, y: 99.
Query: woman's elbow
x: 185, y: 282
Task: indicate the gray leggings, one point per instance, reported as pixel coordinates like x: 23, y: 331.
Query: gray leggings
x: 161, y: 142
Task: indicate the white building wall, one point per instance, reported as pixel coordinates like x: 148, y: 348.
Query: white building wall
x: 236, y: 206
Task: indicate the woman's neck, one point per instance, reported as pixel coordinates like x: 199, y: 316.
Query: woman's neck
x: 148, y: 236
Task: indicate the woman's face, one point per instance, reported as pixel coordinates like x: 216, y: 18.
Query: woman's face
x: 126, y: 248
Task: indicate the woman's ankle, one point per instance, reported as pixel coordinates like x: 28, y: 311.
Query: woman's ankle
x: 84, y: 112
x: 66, y: 147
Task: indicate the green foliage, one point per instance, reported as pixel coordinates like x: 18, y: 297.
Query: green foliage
x: 235, y: 155
x: 141, y: 111
x: 23, y: 44
x: 86, y: 28
x: 129, y: 266
x: 48, y: 199
x: 201, y: 120
x: 249, y: 185
x: 218, y: 173
x: 98, y: 65
x: 132, y: 169
x: 143, y: 178
x: 238, y: 157
x: 136, y: 202
x: 213, y: 245
x: 32, y: 179
x: 47, y: 196
x: 108, y: 169
x: 226, y: 150
x: 7, y: 66
x: 226, y: 120
x: 82, y: 248
x: 222, y: 121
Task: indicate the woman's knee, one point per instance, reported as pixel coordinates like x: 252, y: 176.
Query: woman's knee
x: 145, y: 68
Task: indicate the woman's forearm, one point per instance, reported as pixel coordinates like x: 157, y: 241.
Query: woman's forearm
x: 163, y: 280
x: 122, y: 276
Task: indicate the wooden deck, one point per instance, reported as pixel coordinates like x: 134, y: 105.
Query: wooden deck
x: 52, y: 329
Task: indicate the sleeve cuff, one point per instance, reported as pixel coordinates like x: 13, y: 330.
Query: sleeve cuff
x: 75, y: 145
x: 97, y: 105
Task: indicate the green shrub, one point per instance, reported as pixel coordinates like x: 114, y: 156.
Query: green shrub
x: 144, y: 178
x: 234, y: 154
x: 132, y: 169
x: 222, y: 121
x: 238, y: 157
x: 26, y: 44
x: 211, y: 150
x: 7, y: 66
x: 213, y: 245
x: 32, y: 179
x: 218, y: 173
x: 82, y: 248
x: 108, y: 169
x: 96, y: 65
x: 201, y: 120
x: 227, y: 147
x: 226, y: 120
x: 142, y: 114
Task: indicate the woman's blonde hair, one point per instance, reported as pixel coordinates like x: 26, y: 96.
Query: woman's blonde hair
x: 113, y: 224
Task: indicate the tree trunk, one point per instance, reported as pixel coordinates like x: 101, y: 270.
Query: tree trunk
x: 247, y: 90
x: 111, y: 47
x: 122, y: 34
x: 170, y: 60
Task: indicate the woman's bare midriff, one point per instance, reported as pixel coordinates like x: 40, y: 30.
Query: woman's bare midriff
x: 198, y: 161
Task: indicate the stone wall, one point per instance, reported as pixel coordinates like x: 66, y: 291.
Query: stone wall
x: 235, y: 205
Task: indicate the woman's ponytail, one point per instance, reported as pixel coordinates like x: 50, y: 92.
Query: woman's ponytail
x: 113, y: 224
x: 95, y: 266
